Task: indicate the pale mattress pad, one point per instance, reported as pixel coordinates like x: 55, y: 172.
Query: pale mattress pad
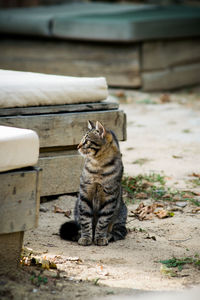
x: 21, y: 89
x: 18, y: 148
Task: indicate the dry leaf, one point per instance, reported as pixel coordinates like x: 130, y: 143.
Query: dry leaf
x: 120, y: 94
x: 146, y: 184
x: 177, y: 198
x: 167, y: 271
x: 141, y: 196
x: 151, y: 237
x: 45, y: 264
x: 189, y: 196
x: 195, y: 175
x: 146, y: 212
x: 161, y: 214
x: 177, y: 156
x: 58, y: 210
x: 165, y: 98
x: 195, y: 210
x: 68, y: 213
x: 77, y: 259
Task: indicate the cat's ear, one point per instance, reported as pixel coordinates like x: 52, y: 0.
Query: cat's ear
x: 90, y: 125
x: 101, y: 129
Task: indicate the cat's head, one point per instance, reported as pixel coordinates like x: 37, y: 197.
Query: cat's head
x: 93, y: 141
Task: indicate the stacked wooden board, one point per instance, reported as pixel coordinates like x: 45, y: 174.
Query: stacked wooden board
x: 170, y: 64
x: 60, y: 129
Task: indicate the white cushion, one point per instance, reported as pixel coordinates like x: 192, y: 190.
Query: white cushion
x: 19, y: 89
x: 18, y: 148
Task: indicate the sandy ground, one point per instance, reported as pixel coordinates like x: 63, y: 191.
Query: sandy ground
x: 163, y: 137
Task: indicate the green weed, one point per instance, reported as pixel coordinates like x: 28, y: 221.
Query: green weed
x: 180, y: 262
x: 38, y: 280
x: 186, y: 131
x: 153, y: 186
x: 96, y: 281
x: 195, y: 182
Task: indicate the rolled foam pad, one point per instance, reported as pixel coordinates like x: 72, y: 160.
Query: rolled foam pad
x: 18, y: 148
x: 19, y: 89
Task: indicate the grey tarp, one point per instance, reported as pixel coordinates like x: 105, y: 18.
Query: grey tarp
x: 103, y: 22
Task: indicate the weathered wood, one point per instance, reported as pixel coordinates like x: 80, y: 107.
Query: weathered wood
x: 38, y: 110
x: 171, y: 78
x: 118, y: 63
x: 10, y: 250
x: 19, y: 200
x: 61, y: 174
x: 67, y: 128
x: 163, y: 54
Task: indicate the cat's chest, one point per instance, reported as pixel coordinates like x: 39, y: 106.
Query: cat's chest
x: 93, y: 172
x: 96, y: 178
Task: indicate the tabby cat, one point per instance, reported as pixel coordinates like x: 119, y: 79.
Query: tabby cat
x: 100, y: 213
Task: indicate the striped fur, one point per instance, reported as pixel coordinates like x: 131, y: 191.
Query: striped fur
x: 100, y: 211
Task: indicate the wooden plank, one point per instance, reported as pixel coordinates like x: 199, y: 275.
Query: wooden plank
x: 10, y: 251
x: 162, y: 54
x: 120, y: 64
x: 171, y: 78
x: 61, y: 174
x: 19, y: 200
x: 38, y: 110
x: 67, y: 128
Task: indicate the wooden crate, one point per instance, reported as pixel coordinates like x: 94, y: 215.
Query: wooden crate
x: 19, y: 200
x: 60, y: 129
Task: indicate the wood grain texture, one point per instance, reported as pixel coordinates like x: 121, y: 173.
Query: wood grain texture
x: 67, y: 128
x: 19, y: 200
x: 163, y: 54
x: 171, y: 78
x: 38, y: 110
x: 118, y: 63
x: 61, y: 174
x: 10, y: 251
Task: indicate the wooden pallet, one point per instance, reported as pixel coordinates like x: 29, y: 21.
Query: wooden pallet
x: 60, y: 129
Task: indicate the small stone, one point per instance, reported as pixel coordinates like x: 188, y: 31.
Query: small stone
x: 176, y: 198
x: 59, y: 285
x: 43, y: 209
x: 181, y: 204
x: 71, y: 278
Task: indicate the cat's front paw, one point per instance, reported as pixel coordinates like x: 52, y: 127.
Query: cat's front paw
x: 101, y: 241
x: 85, y: 241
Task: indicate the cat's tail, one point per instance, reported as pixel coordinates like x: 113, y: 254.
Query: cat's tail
x: 70, y: 231
x: 118, y: 232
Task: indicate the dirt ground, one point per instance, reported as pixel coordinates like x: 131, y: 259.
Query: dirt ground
x: 163, y: 136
